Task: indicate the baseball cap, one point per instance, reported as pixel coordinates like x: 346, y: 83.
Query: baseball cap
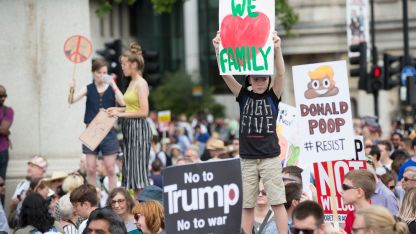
x: 39, y: 161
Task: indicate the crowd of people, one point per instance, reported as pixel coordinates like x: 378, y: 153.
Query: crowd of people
x: 119, y: 185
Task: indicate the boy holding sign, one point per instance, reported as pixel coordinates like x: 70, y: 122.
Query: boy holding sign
x: 259, y: 145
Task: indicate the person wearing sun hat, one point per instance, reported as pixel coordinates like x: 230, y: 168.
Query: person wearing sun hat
x: 174, y: 154
x: 36, y: 168
x: 216, y: 148
x: 56, y: 180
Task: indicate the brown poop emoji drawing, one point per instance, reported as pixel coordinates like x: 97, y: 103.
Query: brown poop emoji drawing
x: 322, y: 83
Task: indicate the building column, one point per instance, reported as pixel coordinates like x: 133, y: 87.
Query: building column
x: 190, y: 11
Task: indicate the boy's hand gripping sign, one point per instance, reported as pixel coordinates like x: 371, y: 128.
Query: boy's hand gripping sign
x: 246, y: 28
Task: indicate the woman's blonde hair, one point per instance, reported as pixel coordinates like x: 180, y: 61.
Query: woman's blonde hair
x: 153, y: 212
x: 381, y: 221
x: 135, y: 55
x: 407, y: 211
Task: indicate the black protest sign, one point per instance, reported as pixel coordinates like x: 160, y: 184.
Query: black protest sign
x: 203, y: 198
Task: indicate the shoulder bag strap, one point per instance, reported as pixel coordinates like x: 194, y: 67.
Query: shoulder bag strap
x: 265, y: 220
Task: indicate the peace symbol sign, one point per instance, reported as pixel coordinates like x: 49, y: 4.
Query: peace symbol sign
x: 77, y: 48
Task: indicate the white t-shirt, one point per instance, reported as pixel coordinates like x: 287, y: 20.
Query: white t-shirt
x: 21, y: 187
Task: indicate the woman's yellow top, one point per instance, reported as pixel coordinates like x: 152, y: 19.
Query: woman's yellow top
x: 132, y: 100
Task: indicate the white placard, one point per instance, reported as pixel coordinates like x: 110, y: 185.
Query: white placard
x: 324, y: 110
x: 246, y: 28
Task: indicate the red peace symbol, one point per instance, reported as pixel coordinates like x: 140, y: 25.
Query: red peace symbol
x: 77, y: 48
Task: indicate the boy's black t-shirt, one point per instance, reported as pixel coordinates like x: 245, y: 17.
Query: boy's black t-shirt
x: 258, y: 115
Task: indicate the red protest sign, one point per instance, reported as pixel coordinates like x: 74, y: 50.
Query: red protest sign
x: 77, y: 48
x: 324, y: 178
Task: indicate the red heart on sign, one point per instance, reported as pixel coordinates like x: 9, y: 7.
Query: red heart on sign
x: 238, y: 32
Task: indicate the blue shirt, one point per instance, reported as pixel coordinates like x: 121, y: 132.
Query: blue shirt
x: 383, y: 196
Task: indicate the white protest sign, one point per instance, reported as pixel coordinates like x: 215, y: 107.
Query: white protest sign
x: 246, y: 28
x: 325, y: 120
x: 288, y: 133
x: 359, y: 147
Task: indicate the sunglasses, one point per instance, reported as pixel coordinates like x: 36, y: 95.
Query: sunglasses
x: 3, y: 96
x: 1, y: 184
x: 392, y: 187
x: 295, y: 230
x: 407, y: 179
x: 113, y: 202
x: 289, y: 179
x: 262, y: 193
x: 137, y: 217
x: 346, y: 187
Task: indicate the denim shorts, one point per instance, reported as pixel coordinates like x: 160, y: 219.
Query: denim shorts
x: 108, y: 146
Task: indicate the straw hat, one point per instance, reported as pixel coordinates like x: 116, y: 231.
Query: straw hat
x: 56, y: 175
x: 215, y: 144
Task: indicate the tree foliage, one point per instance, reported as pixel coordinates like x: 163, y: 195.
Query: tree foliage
x: 175, y: 94
x: 286, y: 15
x: 284, y: 12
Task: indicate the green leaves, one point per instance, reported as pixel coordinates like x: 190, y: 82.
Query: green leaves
x: 286, y: 15
x: 163, y: 6
x: 107, y: 5
x: 104, y: 8
x: 284, y: 12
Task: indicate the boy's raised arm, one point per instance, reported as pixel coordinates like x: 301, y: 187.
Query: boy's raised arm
x: 280, y: 66
x: 231, y: 82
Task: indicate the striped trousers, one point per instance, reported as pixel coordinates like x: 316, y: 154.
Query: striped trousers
x: 137, y: 137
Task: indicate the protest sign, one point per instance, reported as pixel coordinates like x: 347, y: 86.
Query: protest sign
x: 97, y: 130
x: 246, y: 28
x: 325, y: 120
x: 77, y: 48
x: 329, y: 176
x: 359, y: 148
x: 203, y: 198
x: 288, y: 133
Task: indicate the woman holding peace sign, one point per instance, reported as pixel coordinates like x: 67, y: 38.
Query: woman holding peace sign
x: 100, y: 94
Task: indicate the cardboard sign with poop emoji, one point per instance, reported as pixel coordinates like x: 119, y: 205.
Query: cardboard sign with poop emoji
x: 324, y: 112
